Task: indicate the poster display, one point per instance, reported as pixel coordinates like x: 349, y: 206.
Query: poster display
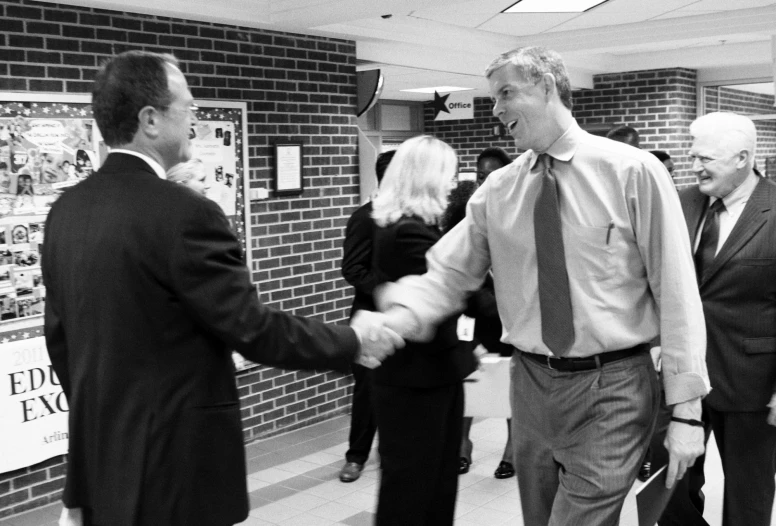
x: 45, y: 147
x: 33, y: 408
x: 48, y: 143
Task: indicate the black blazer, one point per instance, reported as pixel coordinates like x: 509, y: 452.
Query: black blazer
x: 147, y: 295
x: 400, y: 250
x: 738, y: 291
x: 487, y: 328
x: 357, y: 257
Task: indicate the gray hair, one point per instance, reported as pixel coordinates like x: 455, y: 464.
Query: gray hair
x: 533, y: 62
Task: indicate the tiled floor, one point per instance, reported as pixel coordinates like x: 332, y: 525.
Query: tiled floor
x: 293, y: 481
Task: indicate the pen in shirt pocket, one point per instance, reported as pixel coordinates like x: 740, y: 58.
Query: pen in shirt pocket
x: 609, y: 231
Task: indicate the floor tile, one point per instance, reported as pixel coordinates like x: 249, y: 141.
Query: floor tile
x: 306, y: 519
x: 294, y: 481
x: 275, y: 513
x: 334, y: 511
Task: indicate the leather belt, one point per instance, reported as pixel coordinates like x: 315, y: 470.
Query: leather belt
x: 588, y: 362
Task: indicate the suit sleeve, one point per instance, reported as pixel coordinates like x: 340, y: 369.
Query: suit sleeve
x: 53, y: 329
x: 214, y: 285
x: 57, y: 345
x: 357, y: 252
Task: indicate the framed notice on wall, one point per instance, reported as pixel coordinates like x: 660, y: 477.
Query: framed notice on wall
x: 288, y: 169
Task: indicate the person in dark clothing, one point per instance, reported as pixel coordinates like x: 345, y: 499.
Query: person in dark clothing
x: 487, y: 327
x: 418, y: 396
x: 357, y: 270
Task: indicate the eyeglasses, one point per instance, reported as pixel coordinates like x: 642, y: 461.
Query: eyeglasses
x: 707, y: 160
x: 192, y: 110
x: 702, y: 159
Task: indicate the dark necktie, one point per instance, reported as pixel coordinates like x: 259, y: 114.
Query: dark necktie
x: 554, y: 296
x: 707, y: 246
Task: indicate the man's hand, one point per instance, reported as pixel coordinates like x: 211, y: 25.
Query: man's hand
x: 377, y: 340
x: 772, y: 413
x: 71, y: 517
x: 683, y: 441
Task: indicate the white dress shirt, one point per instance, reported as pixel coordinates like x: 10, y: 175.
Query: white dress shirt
x: 627, y: 250
x: 734, y: 203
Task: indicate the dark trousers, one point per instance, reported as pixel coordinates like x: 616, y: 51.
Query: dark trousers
x: 420, y: 432
x: 747, y: 448
x: 362, y: 418
x: 582, y: 437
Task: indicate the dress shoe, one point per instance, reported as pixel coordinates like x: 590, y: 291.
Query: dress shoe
x: 645, y: 471
x: 504, y: 470
x: 351, y: 471
x: 463, y: 467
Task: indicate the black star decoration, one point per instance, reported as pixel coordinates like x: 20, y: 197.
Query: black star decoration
x: 440, y: 104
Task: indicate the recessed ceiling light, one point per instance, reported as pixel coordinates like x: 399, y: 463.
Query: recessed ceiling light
x: 552, y: 6
x: 438, y: 89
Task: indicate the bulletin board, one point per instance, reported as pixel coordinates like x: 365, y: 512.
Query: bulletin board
x: 50, y: 142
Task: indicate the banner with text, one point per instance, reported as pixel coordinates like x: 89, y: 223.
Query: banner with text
x: 33, y: 408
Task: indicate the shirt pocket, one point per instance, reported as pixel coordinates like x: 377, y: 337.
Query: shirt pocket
x: 589, y: 252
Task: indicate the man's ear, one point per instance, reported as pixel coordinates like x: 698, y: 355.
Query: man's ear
x: 548, y: 84
x: 744, y: 156
x: 148, y: 121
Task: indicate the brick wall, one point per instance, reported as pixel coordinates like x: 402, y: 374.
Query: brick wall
x: 660, y: 104
x: 298, y: 88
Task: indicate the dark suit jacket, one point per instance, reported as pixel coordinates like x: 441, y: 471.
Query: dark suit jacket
x: 738, y: 291
x: 147, y: 296
x: 400, y: 250
x: 357, y: 257
x: 487, y: 328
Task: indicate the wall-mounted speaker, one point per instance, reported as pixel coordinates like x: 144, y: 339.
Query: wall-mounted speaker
x: 370, y: 86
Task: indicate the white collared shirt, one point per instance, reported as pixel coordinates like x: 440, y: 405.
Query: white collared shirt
x: 631, y: 274
x: 152, y: 163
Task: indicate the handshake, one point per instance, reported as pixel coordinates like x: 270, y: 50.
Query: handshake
x: 378, y: 341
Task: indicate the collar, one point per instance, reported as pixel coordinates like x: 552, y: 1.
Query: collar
x: 152, y: 163
x: 564, y: 147
x: 740, y: 194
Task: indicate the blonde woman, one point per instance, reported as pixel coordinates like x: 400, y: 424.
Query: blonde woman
x: 418, y: 392
x: 191, y: 174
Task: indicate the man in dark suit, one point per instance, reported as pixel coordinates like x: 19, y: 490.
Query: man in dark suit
x: 147, y: 295
x: 731, y: 218
x: 357, y: 270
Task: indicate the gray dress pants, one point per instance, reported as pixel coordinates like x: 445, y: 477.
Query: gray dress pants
x: 580, y: 438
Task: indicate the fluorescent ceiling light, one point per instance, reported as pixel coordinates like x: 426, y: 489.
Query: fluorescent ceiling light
x: 438, y: 89
x: 552, y: 6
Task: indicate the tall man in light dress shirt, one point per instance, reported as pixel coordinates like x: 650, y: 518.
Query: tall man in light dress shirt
x: 582, y: 416
x: 737, y: 280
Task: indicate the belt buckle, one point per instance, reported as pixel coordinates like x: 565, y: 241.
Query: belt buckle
x: 548, y: 362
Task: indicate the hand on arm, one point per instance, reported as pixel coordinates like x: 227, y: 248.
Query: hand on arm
x: 377, y: 340
x: 684, y: 442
